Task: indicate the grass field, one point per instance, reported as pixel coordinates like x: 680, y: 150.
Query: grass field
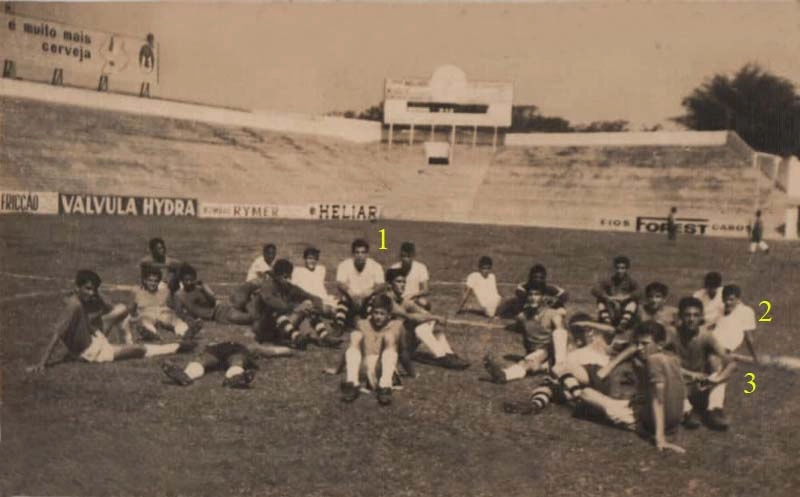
x: 118, y: 429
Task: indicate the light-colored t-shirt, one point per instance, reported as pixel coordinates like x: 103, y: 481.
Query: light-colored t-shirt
x: 714, y: 308
x: 417, y: 275
x: 730, y: 328
x: 311, y: 281
x: 259, y: 265
x: 361, y: 282
x: 152, y: 304
x: 485, y: 289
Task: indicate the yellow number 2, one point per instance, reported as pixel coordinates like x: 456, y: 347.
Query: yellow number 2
x: 382, y: 231
x: 764, y: 318
x: 751, y: 382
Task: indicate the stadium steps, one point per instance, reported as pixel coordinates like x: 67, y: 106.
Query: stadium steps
x: 576, y: 185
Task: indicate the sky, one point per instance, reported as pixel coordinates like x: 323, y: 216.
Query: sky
x: 584, y: 61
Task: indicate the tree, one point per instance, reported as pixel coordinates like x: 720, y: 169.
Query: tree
x: 604, y: 126
x: 526, y: 119
x: 764, y: 109
x: 374, y: 113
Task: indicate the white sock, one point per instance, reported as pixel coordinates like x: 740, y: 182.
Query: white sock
x: 425, y: 333
x: 181, y: 328
x: 233, y: 371
x: 152, y: 350
x: 353, y: 361
x: 444, y: 345
x: 388, y: 367
x: 687, y: 406
x: 372, y: 364
x: 194, y: 370
x: 515, y: 372
x: 716, y: 398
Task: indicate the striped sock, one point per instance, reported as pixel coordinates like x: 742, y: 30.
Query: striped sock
x: 541, y: 397
x: 571, y: 385
x: 286, y: 326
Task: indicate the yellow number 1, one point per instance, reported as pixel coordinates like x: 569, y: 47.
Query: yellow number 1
x: 751, y: 382
x: 382, y: 231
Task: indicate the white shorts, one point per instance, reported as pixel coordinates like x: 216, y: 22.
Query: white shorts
x: 100, y: 350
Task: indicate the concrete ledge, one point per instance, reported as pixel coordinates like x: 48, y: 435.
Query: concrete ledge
x: 353, y: 130
x: 657, y: 138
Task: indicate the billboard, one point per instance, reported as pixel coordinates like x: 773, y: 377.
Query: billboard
x: 23, y: 202
x: 695, y: 226
x: 37, y: 48
x: 119, y: 205
x: 448, y: 99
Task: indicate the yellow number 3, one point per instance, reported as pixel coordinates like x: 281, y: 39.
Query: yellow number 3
x: 751, y: 382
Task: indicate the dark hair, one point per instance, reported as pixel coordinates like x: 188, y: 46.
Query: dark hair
x: 758, y: 213
x: 687, y: 302
x: 187, y: 270
x: 622, y: 259
x: 148, y: 270
x: 712, y: 279
x: 729, y: 290
x: 155, y: 241
x: 485, y: 260
x: 84, y: 276
x: 282, y: 267
x: 656, y: 287
x: 359, y: 242
x: 311, y: 252
x: 651, y: 328
x: 408, y: 248
x: 673, y: 209
x: 381, y: 301
x: 268, y: 246
x: 392, y: 273
x: 579, y: 332
x: 537, y: 269
x: 537, y: 286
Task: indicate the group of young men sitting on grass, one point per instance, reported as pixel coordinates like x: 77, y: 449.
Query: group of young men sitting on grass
x: 640, y: 363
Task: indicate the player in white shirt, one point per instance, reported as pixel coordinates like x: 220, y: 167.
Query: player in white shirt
x: 417, y: 277
x: 735, y: 326
x: 263, y: 263
x: 711, y: 297
x: 483, y: 285
x: 357, y: 279
x: 311, y: 277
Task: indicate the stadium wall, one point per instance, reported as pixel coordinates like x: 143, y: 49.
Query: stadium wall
x: 621, y: 139
x: 353, y: 130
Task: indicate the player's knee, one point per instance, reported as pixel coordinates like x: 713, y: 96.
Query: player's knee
x: 424, y: 303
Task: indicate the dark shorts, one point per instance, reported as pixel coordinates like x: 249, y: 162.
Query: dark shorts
x: 222, y: 354
x: 603, y: 386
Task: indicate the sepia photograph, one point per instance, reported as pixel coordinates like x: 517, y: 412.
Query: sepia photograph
x: 387, y: 248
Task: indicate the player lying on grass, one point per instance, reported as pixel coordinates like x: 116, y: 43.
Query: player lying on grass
x: 282, y: 307
x: 618, y: 297
x: 483, y: 285
x: 555, y: 296
x: 357, y: 278
x: 377, y: 341
x: 420, y: 326
x: 263, y: 263
x: 159, y: 259
x: 195, y: 300
x: 711, y: 297
x: 544, y: 338
x: 152, y: 308
x: 236, y: 359
x: 417, y: 277
x: 704, y: 362
x: 658, y: 406
x: 86, y: 319
x: 582, y: 363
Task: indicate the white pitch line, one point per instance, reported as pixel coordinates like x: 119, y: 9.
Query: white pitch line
x: 30, y: 295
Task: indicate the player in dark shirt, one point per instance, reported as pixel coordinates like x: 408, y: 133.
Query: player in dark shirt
x: 618, y: 296
x: 281, y: 308
x: 554, y: 296
x: 196, y: 300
